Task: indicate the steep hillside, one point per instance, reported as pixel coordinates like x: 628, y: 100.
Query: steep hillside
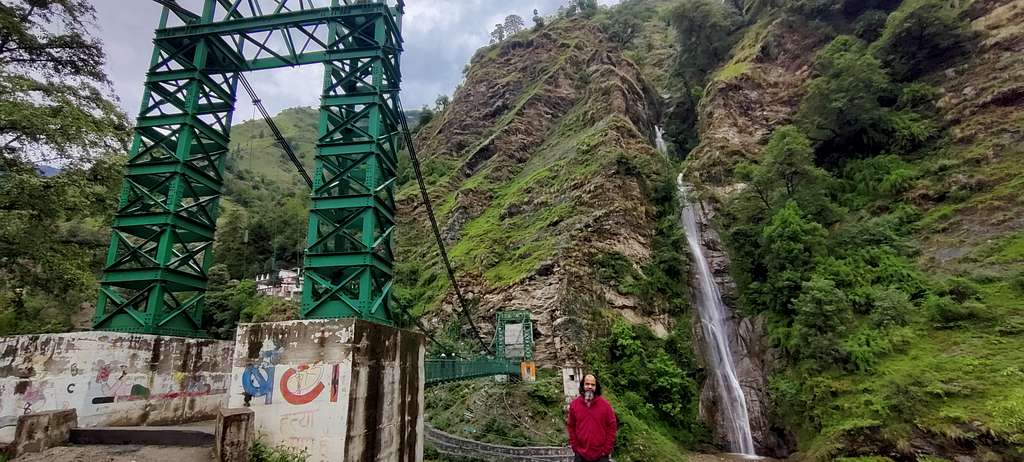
x: 542, y: 163
x: 553, y: 200
x: 921, y: 213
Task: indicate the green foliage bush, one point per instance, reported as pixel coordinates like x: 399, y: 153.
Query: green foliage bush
x: 706, y: 31
x: 624, y: 22
x: 790, y: 246
x: 921, y: 37
x: 850, y: 108
x: 870, y: 25
x: 45, y: 277
x: 1017, y: 282
x: 649, y: 382
x: 953, y: 309
x: 823, y: 314
x: 261, y: 452
x: 231, y: 302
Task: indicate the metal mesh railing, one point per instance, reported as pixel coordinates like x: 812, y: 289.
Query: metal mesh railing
x: 448, y: 370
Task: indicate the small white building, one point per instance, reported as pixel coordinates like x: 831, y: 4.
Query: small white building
x: 286, y: 284
x: 571, y: 378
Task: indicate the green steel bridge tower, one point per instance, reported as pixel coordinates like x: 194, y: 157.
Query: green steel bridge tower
x: 160, y: 252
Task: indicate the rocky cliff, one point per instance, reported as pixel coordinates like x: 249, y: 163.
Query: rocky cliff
x: 542, y: 162
x: 966, y: 185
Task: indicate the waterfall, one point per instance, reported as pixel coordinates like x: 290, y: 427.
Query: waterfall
x: 732, y: 403
x: 659, y: 140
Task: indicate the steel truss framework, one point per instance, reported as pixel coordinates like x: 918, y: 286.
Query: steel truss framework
x: 522, y: 351
x: 161, y: 248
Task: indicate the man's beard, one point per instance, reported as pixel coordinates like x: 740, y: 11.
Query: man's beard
x: 588, y: 395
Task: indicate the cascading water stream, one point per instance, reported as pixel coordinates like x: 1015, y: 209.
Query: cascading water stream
x: 713, y: 322
x: 659, y: 140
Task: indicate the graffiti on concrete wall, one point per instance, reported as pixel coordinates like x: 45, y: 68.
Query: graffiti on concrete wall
x: 301, y: 405
x: 298, y: 385
x: 94, y: 370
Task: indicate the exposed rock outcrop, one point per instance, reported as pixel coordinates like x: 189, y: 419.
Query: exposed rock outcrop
x: 546, y: 144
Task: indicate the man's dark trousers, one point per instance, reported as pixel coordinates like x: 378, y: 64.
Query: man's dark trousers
x: 580, y: 459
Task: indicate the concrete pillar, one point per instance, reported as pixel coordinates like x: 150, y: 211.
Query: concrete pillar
x: 235, y: 433
x: 39, y: 432
x: 342, y: 389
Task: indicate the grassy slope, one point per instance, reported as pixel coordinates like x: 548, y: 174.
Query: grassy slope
x: 500, y: 248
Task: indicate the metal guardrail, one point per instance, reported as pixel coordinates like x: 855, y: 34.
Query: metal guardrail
x: 452, y: 445
x: 450, y: 370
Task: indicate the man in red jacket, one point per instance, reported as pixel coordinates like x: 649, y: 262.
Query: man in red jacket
x: 591, y: 423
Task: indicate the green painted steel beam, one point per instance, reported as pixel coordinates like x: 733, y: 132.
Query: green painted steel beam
x: 161, y: 246
x: 349, y: 256
x: 270, y: 22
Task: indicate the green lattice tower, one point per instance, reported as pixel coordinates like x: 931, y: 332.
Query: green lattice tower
x: 161, y: 248
x: 505, y: 318
x: 349, y: 256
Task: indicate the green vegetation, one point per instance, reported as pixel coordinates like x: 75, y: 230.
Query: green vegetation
x: 512, y: 414
x: 880, y: 241
x: 230, y: 301
x: 261, y: 452
x: 653, y: 386
x: 56, y: 106
x: 706, y: 31
x: 878, y: 349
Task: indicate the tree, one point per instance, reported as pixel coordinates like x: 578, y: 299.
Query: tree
x: 823, y: 317
x: 426, y: 116
x: 705, y: 29
x: 790, y: 246
x: 45, y: 276
x: 585, y: 8
x: 498, y: 34
x: 852, y: 108
x: 513, y: 24
x: 538, y: 20
x: 55, y: 98
x: 441, y: 103
x: 921, y: 39
x: 787, y: 172
x: 842, y: 111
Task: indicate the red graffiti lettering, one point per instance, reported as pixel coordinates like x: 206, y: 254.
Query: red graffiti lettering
x: 307, y: 384
x: 334, y: 385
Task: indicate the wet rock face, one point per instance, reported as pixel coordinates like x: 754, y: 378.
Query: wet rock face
x: 753, y: 355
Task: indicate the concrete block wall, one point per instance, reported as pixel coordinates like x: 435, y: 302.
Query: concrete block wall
x: 343, y: 390
x: 114, y: 379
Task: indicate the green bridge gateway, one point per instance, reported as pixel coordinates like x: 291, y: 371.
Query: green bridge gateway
x: 161, y: 249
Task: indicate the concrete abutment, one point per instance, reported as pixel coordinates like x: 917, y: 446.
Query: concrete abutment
x: 342, y: 389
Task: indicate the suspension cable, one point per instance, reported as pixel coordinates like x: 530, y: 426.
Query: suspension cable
x: 277, y: 133
x: 423, y: 192
x: 433, y: 223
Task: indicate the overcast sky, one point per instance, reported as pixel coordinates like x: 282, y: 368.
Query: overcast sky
x: 440, y: 37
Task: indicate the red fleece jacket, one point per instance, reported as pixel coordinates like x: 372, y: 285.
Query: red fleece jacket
x: 591, y: 428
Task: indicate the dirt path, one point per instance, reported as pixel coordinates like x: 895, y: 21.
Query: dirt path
x: 127, y: 453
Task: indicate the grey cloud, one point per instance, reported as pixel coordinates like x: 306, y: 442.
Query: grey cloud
x: 440, y: 37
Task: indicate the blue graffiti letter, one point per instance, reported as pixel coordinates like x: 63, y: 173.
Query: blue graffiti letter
x: 259, y: 381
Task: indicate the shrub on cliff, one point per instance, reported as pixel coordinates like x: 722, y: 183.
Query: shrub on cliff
x: 921, y: 38
x: 706, y: 30
x: 852, y: 108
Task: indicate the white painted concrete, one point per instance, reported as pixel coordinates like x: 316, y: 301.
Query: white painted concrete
x: 343, y: 390
x: 113, y: 379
